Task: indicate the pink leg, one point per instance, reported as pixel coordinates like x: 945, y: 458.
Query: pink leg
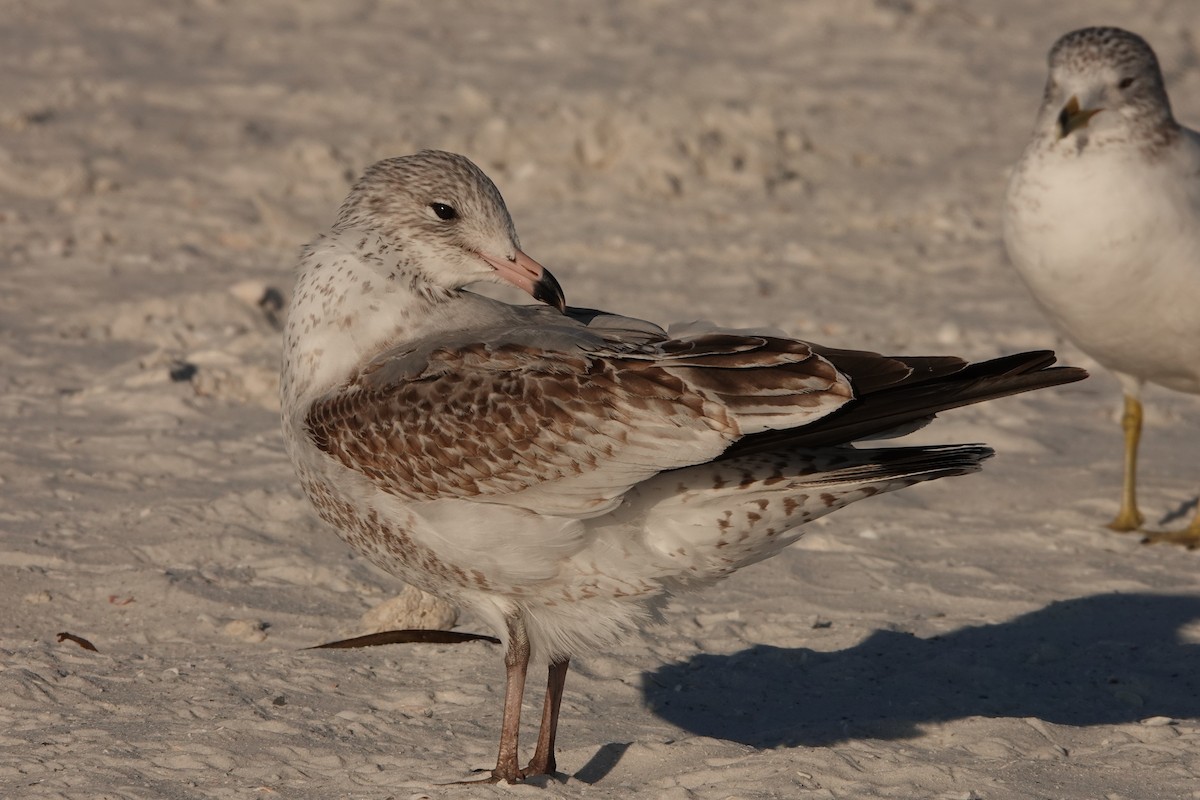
x: 516, y: 664
x: 543, y: 757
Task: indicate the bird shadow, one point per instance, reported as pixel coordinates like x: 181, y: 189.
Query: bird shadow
x: 1103, y: 659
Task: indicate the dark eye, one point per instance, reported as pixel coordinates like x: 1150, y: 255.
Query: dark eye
x: 1125, y: 83
x: 444, y: 211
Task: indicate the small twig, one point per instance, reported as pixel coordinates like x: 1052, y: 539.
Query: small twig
x: 79, y: 640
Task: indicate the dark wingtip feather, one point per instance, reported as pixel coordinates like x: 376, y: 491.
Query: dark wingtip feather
x: 930, y: 387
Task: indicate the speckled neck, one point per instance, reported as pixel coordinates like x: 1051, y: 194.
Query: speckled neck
x: 354, y: 296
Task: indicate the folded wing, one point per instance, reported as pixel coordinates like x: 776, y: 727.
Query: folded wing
x: 565, y: 430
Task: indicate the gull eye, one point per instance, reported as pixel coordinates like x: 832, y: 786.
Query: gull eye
x: 444, y: 211
x: 1125, y: 83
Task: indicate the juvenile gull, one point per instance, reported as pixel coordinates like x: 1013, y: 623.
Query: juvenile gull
x: 559, y: 470
x: 1102, y: 221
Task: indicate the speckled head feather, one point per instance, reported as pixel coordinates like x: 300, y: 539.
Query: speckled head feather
x: 1120, y: 72
x: 1086, y: 47
x: 398, y: 194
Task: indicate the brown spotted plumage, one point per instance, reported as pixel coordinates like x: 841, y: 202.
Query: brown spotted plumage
x: 561, y: 470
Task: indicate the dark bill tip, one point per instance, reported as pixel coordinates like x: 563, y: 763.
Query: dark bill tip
x: 547, y: 290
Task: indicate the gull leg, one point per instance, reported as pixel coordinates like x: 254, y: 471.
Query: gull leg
x: 1128, y: 517
x: 542, y: 762
x: 516, y: 664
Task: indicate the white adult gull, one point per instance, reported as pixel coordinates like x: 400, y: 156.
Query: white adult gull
x: 1102, y: 221
x: 561, y: 471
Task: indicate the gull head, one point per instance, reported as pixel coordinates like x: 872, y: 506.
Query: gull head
x: 444, y: 223
x: 1102, y: 81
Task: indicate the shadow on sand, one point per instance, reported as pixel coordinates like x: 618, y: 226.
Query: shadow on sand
x: 1106, y: 659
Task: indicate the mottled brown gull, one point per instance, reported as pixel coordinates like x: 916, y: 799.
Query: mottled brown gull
x: 561, y: 471
x: 1102, y: 221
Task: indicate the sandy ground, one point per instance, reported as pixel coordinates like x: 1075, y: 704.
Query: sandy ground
x: 833, y: 168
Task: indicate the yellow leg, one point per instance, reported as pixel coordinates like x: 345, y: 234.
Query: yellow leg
x: 1128, y: 517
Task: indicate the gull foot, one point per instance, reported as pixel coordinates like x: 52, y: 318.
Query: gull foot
x: 1188, y: 537
x: 492, y: 777
x: 1126, y: 521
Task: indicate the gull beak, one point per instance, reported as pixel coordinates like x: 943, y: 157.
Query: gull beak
x: 529, y: 276
x: 1072, y: 117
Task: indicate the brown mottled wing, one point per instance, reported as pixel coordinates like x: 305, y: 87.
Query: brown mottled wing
x: 566, y: 431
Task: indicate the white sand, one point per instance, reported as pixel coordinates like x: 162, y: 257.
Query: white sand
x: 833, y: 168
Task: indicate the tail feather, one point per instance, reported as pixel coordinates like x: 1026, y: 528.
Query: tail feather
x: 919, y: 463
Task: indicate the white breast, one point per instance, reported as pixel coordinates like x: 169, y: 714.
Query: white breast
x: 1108, y: 242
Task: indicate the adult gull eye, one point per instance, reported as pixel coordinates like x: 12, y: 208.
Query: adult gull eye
x: 444, y: 211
